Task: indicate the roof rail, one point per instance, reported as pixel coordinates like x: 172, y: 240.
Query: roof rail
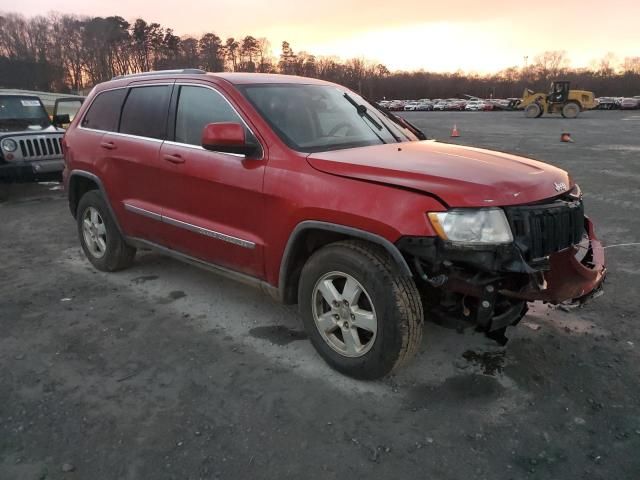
x: 161, y: 72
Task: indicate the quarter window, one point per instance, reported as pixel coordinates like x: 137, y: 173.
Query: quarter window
x: 145, y: 111
x: 198, y: 106
x: 104, y: 112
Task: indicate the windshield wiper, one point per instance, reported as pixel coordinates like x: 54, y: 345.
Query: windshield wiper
x: 363, y: 112
x: 403, y: 122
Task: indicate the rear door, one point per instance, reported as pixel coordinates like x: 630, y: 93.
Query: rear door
x: 130, y: 162
x: 214, y: 202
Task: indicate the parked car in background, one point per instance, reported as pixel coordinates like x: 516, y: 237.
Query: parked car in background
x: 474, y: 106
x: 487, y: 105
x: 30, y: 142
x: 424, y: 106
x: 304, y: 189
x: 500, y: 104
x: 456, y: 104
x: 441, y: 106
x: 607, y: 103
x: 629, y: 104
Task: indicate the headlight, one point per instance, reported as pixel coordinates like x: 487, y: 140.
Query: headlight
x: 9, y: 145
x: 483, y: 226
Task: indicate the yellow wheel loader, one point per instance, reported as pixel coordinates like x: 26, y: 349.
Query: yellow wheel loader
x: 561, y: 99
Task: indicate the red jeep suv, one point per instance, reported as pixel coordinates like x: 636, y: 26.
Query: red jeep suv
x: 305, y: 189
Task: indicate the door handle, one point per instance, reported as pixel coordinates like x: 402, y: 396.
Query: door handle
x: 174, y: 158
x: 108, y: 145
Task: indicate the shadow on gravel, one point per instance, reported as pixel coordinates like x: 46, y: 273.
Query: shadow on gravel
x: 277, y: 334
x: 471, y: 388
x: 490, y: 362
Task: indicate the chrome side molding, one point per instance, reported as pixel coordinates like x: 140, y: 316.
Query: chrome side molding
x: 191, y: 227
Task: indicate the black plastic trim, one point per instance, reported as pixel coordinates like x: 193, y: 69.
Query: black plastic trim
x: 212, y: 267
x: 400, y: 261
x: 94, y: 178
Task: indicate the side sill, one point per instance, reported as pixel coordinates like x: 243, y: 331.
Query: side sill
x: 212, y: 267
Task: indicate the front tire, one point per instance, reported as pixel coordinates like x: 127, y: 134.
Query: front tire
x: 362, y: 317
x: 533, y: 110
x: 100, y: 238
x: 570, y: 110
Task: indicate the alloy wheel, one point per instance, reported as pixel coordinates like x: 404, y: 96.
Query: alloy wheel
x: 344, y: 314
x: 94, y: 232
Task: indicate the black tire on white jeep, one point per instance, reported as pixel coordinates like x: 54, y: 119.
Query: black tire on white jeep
x: 362, y: 316
x: 100, y: 238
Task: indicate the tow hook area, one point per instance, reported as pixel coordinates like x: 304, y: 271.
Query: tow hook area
x: 474, y: 299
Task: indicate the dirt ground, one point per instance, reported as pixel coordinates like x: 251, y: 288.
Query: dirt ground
x: 165, y: 371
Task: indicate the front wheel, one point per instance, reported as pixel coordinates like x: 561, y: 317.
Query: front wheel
x: 570, y: 110
x: 362, y: 317
x: 533, y: 110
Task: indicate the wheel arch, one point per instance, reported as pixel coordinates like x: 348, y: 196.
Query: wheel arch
x: 80, y: 182
x: 577, y: 102
x: 310, y: 235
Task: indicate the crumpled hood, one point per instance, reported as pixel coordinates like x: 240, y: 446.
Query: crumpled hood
x: 459, y: 176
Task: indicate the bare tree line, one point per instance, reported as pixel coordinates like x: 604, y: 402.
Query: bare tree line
x: 70, y: 53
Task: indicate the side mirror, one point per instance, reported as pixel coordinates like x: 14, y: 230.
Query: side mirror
x: 59, y: 120
x: 227, y: 137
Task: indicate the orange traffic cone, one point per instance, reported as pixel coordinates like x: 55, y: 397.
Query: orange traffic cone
x: 566, y: 137
x: 454, y: 132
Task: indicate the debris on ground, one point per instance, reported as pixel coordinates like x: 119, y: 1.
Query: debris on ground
x: 532, y: 326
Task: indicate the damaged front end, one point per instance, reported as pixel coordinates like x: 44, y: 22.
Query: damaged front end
x: 554, y: 257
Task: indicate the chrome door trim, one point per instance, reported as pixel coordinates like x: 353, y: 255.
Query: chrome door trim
x: 198, y: 147
x: 191, y: 227
x: 143, y: 212
x: 209, y: 233
x: 118, y: 134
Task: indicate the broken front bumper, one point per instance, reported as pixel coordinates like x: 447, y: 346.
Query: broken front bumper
x: 574, y: 274
x: 490, y: 285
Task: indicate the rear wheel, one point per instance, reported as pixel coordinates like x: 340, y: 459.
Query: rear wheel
x: 100, y: 238
x: 363, y: 318
x: 570, y: 110
x: 533, y: 111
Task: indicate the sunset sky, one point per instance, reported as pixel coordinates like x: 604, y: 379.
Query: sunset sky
x: 478, y: 35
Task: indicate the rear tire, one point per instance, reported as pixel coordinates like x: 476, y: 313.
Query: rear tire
x: 99, y: 235
x: 570, y: 110
x: 387, y: 325
x: 532, y: 110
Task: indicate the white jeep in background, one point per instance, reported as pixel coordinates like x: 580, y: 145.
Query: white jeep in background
x: 30, y: 141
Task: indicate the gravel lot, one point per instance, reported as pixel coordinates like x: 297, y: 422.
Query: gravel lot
x: 166, y: 371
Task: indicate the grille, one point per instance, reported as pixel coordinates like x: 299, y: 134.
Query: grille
x: 41, y: 146
x: 540, y: 230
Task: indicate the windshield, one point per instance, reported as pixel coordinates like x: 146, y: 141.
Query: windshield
x: 22, y: 113
x: 315, y: 118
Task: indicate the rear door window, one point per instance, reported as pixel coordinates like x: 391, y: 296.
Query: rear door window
x: 145, y: 111
x: 104, y: 112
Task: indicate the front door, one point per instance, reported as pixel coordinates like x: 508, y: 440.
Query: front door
x: 214, y: 201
